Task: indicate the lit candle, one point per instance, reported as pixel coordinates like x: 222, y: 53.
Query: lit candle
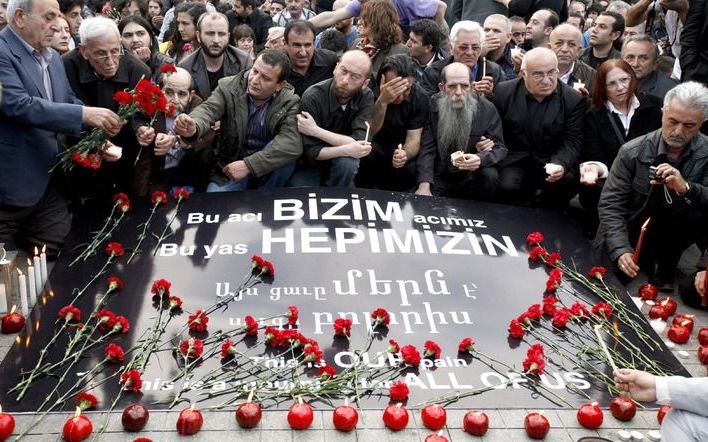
x: 484, y: 67
x: 31, y: 274
x: 368, y: 128
x: 578, y: 85
x: 638, y: 249
x: 604, y: 347
x: 3, y: 299
x: 43, y: 258
x: 37, y: 272
x: 23, y: 292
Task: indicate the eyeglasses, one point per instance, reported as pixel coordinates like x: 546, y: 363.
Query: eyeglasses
x: 115, y: 54
x: 539, y: 76
x: 620, y: 82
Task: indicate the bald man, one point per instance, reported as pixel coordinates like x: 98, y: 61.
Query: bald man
x: 333, y: 121
x: 566, y: 43
x: 543, y: 125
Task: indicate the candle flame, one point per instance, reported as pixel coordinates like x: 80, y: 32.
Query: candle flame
x: 28, y: 339
x: 44, y: 300
x: 36, y: 251
x: 51, y: 293
x: 0, y: 408
x: 77, y: 413
x: 18, y: 339
x: 29, y: 263
x: 646, y: 224
x: 14, y: 308
x: 44, y: 248
x: 36, y: 326
x: 193, y: 406
x: 20, y: 272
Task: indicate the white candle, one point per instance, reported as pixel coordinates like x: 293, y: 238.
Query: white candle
x: 31, y: 279
x: 37, y: 271
x: 368, y: 128
x: 604, y: 348
x: 4, y: 307
x: 23, y: 292
x: 43, y: 258
x: 578, y: 85
x: 484, y: 68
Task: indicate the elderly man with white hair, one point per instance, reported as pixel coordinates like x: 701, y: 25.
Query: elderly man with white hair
x: 662, y: 175
x: 467, y: 40
x: 97, y: 69
x: 37, y: 106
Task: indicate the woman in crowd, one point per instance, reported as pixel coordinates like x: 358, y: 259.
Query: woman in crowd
x: 619, y: 113
x: 244, y: 38
x: 184, y: 39
x: 61, y: 39
x: 130, y: 7
x: 379, y: 33
x: 138, y: 39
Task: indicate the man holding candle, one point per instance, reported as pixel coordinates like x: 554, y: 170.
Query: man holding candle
x: 674, y: 195
x: 565, y: 42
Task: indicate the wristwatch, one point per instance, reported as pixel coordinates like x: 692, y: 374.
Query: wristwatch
x: 688, y: 187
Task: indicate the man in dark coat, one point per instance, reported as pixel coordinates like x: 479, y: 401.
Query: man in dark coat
x: 246, y: 12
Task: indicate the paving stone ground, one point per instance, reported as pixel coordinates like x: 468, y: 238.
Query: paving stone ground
x: 506, y: 424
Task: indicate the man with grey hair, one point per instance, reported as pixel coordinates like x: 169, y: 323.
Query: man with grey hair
x: 37, y: 106
x: 642, y: 53
x: 662, y: 175
x: 497, y: 43
x: 565, y: 42
x: 467, y: 40
x: 96, y: 70
x: 462, y: 141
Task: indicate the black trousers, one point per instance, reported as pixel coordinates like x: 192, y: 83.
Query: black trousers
x: 478, y: 185
x: 524, y: 183
x: 377, y: 172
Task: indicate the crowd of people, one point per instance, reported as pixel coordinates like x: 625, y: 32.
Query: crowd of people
x: 509, y: 101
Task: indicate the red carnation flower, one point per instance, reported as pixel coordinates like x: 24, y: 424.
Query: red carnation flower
x: 312, y: 353
x: 123, y: 98
x: 114, y: 353
x: 191, y: 348
x: 602, y: 309
x: 398, y: 391
x: 69, y: 313
x: 272, y: 336
x: 181, y: 193
x: 515, y: 329
x: 130, y: 380
x: 175, y: 303
x: 393, y: 346
x: 561, y: 317
x: 381, y: 316
x: 597, y: 272
x: 186, y: 47
x: 168, y: 69
x: 292, y: 315
x: 161, y: 287
x: 124, y: 206
x: 93, y: 161
x: 549, y: 305
x: 251, y: 325
x: 86, y: 401
x: 432, y: 350
x: 114, y: 249
x: 534, y: 362
x: 534, y: 238
x: 120, y: 198
x: 466, y: 345
x: 410, y: 355
x: 158, y: 197
x: 534, y: 312
x: 121, y: 325
x: 198, y: 321
x: 114, y: 283
x: 537, y: 253
x: 106, y: 320
x: 291, y: 338
x: 579, y: 310
x: 553, y: 258
x: 228, y: 349
x: 342, y: 327
x: 552, y: 285
x: 326, y: 372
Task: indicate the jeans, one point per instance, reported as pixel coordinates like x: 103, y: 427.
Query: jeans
x: 273, y: 180
x: 342, y: 171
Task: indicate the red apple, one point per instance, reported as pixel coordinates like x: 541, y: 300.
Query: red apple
x: 248, y: 414
x: 135, y: 417
x: 12, y: 322
x: 395, y: 417
x: 703, y: 336
x: 678, y: 334
x: 190, y: 421
x: 648, y: 292
x: 684, y: 321
x: 300, y: 416
x: 662, y: 412
x: 590, y: 416
x: 77, y: 428
x: 703, y: 354
x: 436, y: 437
x: 433, y: 416
x: 669, y: 304
x: 623, y: 408
x: 7, y: 425
x: 142, y: 439
x: 657, y: 311
x: 536, y: 425
x: 475, y: 423
x: 345, y: 418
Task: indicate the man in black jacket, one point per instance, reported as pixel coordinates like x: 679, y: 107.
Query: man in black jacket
x: 543, y: 126
x: 246, y: 12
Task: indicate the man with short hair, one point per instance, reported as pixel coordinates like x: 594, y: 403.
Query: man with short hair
x: 37, y: 106
x: 497, y: 43
x: 72, y: 11
x: 565, y: 42
x: 246, y: 12
x: 539, y: 28
x: 259, y: 142
x: 424, y: 45
x: 577, y: 7
x: 674, y: 195
x: 332, y: 122
x: 3, y: 14
x: 344, y: 27
x: 543, y: 126
x: 642, y: 53
x: 607, y: 29
x: 462, y: 141
x: 467, y: 39
x: 518, y: 30
x: 96, y: 70
x: 578, y: 21
x: 309, y: 65
x: 215, y: 58
x: 400, y: 112
x: 294, y: 10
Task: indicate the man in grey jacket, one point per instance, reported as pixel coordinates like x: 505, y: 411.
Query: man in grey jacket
x: 662, y: 176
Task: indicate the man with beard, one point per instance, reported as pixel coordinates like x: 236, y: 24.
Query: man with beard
x: 674, y: 194
x: 137, y: 37
x: 246, y: 12
x: 309, y: 65
x: 565, y: 42
x: 462, y: 142
x: 259, y: 142
x: 215, y: 58
x: 543, y: 126
x: 333, y: 119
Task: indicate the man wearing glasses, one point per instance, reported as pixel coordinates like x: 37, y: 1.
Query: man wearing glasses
x: 96, y: 70
x: 543, y: 124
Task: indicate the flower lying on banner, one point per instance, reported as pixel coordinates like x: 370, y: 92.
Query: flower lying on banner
x: 179, y: 194
x: 121, y: 206
x: 157, y: 199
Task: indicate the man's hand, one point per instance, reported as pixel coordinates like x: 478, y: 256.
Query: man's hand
x: 104, y: 119
x: 626, y: 264
x: 185, y: 126
x: 110, y: 152
x: 470, y: 162
x: 143, y: 53
x: 357, y: 149
x: 516, y: 61
x: 216, y: 127
x: 671, y: 178
x: 400, y: 158
x: 163, y: 143
x: 640, y: 385
x: 589, y: 174
x: 424, y: 189
x: 555, y: 172
x: 145, y: 135
x: 700, y: 282
x: 484, y: 144
x: 485, y: 86
x: 236, y: 170
x: 157, y: 21
x: 490, y: 44
x: 389, y: 91
x: 307, y: 125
